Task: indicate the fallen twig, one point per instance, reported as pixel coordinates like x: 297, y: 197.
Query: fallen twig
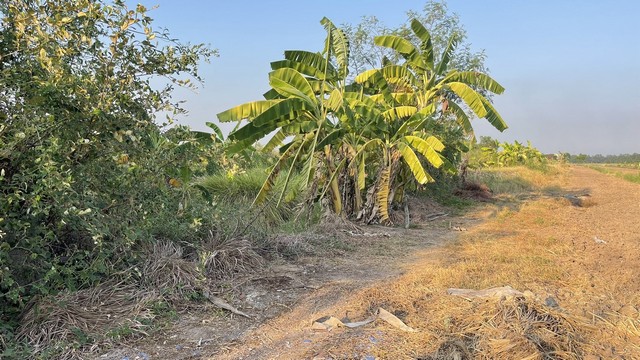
x: 435, y: 216
x: 223, y: 304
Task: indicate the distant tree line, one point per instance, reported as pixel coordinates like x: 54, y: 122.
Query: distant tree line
x: 604, y: 159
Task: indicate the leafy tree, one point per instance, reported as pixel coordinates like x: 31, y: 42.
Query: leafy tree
x: 609, y: 159
x: 331, y: 126
x: 443, y: 26
x: 436, y: 18
x: 445, y: 30
x: 495, y: 153
x: 364, y: 53
x: 83, y: 164
x: 424, y: 81
x: 420, y: 86
x: 519, y: 154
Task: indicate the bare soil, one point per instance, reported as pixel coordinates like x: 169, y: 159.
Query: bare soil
x: 580, y: 262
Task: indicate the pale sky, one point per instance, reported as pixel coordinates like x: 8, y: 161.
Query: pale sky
x: 571, y: 69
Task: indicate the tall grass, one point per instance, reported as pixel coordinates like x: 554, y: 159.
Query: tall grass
x: 240, y: 187
x: 237, y: 193
x: 634, y: 178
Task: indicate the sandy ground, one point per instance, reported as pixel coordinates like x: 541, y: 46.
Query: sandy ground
x: 580, y: 263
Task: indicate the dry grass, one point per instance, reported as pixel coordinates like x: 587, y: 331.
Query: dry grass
x: 475, y: 191
x: 514, y: 328
x: 500, y: 329
x: 224, y: 257
x: 168, y: 272
x: 292, y: 246
x: 583, y: 304
x: 520, y: 328
x: 514, y: 181
x: 72, y: 324
x: 3, y: 342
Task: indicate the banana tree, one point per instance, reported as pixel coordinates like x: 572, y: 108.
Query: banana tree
x: 409, y: 96
x: 302, y: 107
x: 370, y: 137
x: 398, y: 163
x: 421, y: 81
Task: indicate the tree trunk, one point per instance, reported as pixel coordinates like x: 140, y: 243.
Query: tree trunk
x: 407, y: 220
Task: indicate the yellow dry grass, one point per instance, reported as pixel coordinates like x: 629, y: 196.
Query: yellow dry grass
x: 585, y: 294
x: 546, y: 247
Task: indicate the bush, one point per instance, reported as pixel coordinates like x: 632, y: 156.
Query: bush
x: 86, y: 175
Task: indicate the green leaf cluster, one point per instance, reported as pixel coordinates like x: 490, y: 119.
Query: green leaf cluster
x: 490, y: 152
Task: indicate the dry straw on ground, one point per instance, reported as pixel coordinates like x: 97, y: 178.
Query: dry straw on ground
x: 224, y: 257
x: 583, y: 300
x: 167, y: 271
x: 520, y: 328
x: 72, y: 324
x: 106, y: 311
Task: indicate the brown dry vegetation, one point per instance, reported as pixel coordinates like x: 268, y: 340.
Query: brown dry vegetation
x: 574, y: 257
x: 584, y: 302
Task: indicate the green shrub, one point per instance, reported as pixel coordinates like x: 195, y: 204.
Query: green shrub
x: 86, y: 175
x: 489, y: 152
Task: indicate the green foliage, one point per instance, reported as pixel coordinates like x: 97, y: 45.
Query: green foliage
x: 235, y: 192
x: 519, y: 154
x: 489, y: 152
x: 360, y: 146
x: 86, y: 174
x: 634, y: 178
x: 630, y: 159
x: 443, y: 191
x: 89, y: 178
x: 229, y: 187
x: 613, y: 170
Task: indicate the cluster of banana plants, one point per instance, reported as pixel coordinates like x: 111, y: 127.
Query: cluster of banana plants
x: 360, y: 145
x: 519, y: 154
x: 511, y: 154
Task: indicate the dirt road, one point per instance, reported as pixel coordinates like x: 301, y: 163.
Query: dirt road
x: 575, y: 258
x: 582, y: 265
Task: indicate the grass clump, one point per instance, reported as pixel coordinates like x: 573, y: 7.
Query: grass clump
x: 243, y: 186
x: 518, y: 180
x: 224, y: 256
x: 502, y: 181
x: 634, y: 178
x: 168, y: 271
x: 236, y: 193
x: 444, y: 192
x: 68, y: 325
